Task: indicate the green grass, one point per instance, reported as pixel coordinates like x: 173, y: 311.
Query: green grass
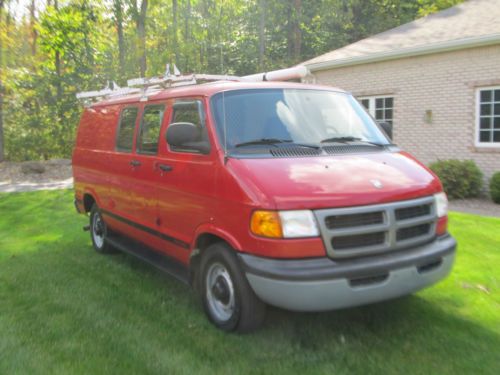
x: 66, y: 310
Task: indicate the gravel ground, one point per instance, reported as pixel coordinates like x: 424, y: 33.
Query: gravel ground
x: 479, y: 206
x: 17, y: 177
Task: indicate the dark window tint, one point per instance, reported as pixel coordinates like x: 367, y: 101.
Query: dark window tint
x: 486, y: 96
x: 366, y: 103
x: 125, y: 137
x: 152, y: 118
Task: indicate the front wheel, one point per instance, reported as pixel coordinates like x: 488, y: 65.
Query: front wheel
x: 99, y: 231
x: 228, y: 300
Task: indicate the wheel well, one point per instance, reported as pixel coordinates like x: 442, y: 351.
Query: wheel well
x: 88, y: 201
x: 203, y: 241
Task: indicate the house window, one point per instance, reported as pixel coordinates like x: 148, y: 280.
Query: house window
x: 380, y: 107
x: 488, y: 119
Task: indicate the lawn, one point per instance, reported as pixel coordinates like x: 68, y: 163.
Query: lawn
x: 66, y: 310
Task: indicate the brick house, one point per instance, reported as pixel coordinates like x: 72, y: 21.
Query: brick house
x: 436, y: 79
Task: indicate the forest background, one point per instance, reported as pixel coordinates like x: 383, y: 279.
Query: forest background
x: 50, y: 50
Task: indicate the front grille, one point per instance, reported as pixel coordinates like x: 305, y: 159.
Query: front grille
x: 412, y: 232
x: 413, y: 211
x: 358, y: 240
x: 354, y: 220
x: 366, y: 230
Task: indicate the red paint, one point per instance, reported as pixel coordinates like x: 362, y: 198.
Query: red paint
x: 203, y: 194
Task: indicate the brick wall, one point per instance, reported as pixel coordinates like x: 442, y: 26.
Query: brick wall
x: 444, y: 83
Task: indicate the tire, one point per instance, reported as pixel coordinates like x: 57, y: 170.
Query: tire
x: 228, y: 300
x: 99, y: 232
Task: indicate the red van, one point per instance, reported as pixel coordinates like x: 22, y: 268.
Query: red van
x: 260, y: 193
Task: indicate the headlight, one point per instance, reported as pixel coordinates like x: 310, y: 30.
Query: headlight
x: 284, y: 224
x: 298, y: 224
x: 441, y: 204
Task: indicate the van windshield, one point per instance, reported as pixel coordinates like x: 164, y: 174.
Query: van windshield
x: 259, y: 118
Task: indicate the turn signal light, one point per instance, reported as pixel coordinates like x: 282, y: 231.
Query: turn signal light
x: 266, y: 224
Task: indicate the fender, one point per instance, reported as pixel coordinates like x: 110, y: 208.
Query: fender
x: 216, y: 231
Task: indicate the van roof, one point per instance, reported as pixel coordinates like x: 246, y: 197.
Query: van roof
x: 209, y: 89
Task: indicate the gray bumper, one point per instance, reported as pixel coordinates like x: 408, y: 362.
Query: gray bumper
x: 324, y: 284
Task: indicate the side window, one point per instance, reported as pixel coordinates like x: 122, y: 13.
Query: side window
x: 152, y: 118
x: 125, y: 137
x: 190, y: 111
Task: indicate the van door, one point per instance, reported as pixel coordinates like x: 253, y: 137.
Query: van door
x: 143, y: 189
x: 185, y: 182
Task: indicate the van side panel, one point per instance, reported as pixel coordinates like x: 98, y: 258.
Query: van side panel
x: 92, y: 155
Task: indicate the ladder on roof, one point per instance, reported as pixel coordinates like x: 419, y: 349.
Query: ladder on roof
x: 146, y: 85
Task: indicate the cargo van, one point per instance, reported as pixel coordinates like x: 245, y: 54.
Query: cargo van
x: 256, y: 193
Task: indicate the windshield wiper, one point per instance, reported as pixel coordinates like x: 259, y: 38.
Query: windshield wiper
x: 263, y: 141
x: 351, y: 139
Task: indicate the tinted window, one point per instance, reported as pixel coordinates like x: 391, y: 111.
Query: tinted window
x: 125, y: 137
x: 152, y: 118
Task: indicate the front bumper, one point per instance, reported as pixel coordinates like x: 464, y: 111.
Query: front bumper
x: 321, y: 284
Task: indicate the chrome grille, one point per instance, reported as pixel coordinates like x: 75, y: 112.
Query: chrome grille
x: 366, y: 230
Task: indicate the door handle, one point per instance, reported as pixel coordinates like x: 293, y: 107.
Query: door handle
x: 165, y: 167
x: 135, y: 163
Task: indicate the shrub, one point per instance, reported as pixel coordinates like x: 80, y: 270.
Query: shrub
x: 461, y: 179
x: 495, y: 187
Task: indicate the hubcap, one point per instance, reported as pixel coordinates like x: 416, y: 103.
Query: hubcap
x: 220, y: 292
x: 98, y: 230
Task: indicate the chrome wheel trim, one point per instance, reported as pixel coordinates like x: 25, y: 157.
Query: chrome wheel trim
x: 98, y: 229
x: 220, y: 292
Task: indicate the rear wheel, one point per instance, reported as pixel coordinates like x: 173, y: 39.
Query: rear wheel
x: 99, y: 231
x: 228, y: 300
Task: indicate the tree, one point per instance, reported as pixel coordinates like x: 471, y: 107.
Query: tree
x: 139, y: 15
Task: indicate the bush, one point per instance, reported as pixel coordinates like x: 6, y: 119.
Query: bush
x: 461, y: 179
x: 495, y: 187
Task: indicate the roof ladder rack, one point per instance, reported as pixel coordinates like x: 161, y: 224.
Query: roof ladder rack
x: 169, y: 80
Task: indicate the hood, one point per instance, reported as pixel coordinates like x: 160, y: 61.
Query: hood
x: 335, y: 181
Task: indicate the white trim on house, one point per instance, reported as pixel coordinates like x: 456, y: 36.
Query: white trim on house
x: 450, y: 45
x: 478, y: 122
x: 372, y: 105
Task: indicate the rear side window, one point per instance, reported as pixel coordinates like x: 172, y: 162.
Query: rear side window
x: 152, y: 118
x: 125, y: 137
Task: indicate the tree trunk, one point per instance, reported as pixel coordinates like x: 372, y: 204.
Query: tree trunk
x: 174, y: 26
x: 118, y: 9
x: 2, y: 153
x: 58, y: 65
x: 34, y: 32
x: 262, y: 33
x: 141, y: 33
x: 187, y: 37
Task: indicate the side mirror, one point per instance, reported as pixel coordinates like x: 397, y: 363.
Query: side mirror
x: 387, y: 128
x: 185, y: 136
